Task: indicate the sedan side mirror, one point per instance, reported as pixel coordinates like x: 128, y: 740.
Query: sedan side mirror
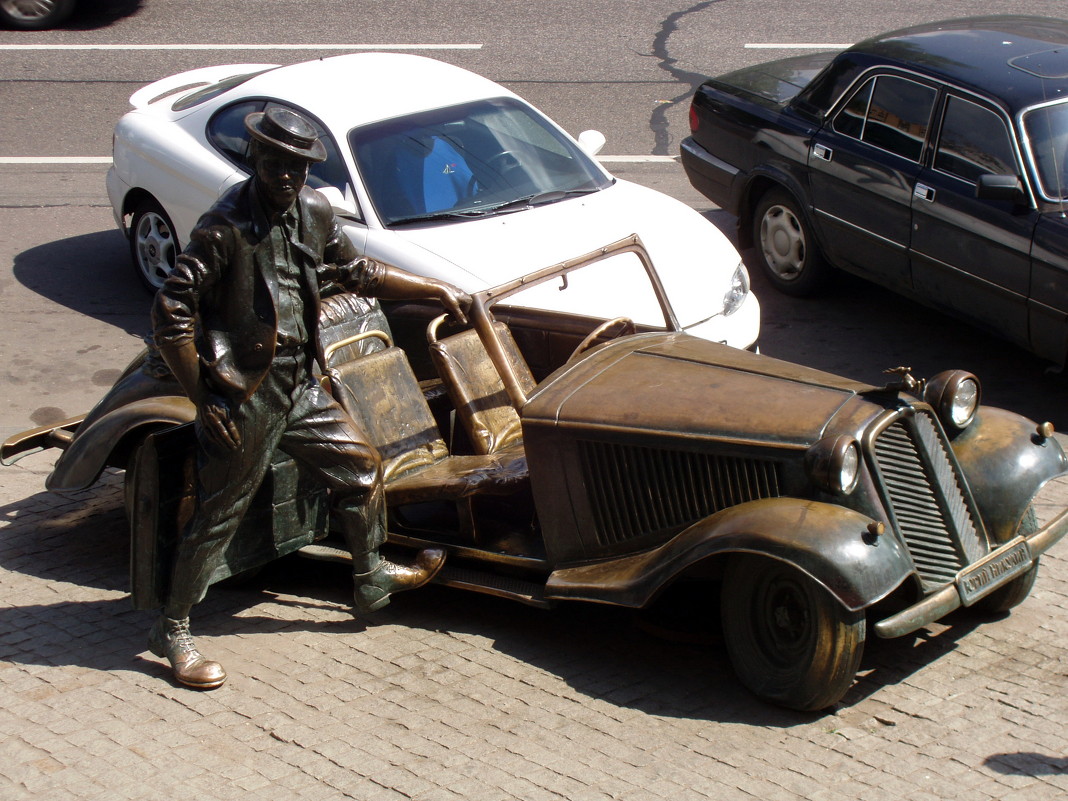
x: 591, y: 142
x: 1000, y: 187
x: 343, y: 205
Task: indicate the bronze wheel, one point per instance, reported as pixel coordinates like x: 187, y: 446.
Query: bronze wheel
x: 791, y: 642
x: 1012, y: 594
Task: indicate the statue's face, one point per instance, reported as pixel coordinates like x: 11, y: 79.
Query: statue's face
x: 281, y: 177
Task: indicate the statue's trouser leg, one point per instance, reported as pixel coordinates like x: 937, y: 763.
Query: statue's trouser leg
x: 322, y: 436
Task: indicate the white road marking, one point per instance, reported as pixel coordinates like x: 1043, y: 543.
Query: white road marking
x: 240, y: 46
x: 796, y: 46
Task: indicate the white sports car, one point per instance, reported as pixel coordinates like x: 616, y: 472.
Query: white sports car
x: 430, y: 167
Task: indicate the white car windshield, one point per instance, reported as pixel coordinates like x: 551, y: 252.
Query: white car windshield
x: 486, y: 157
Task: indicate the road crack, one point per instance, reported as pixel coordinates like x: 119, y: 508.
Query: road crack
x: 658, y: 122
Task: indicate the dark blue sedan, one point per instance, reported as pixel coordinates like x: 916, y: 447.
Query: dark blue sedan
x: 932, y: 160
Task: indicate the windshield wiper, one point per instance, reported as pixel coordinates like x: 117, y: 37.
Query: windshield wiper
x: 540, y: 199
x: 440, y: 215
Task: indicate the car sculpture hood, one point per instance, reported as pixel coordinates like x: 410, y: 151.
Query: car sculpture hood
x: 742, y: 396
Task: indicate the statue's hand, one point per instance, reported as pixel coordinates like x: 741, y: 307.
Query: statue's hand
x: 455, y: 301
x: 217, y: 423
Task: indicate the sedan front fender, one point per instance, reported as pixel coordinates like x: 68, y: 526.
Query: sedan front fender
x: 830, y: 543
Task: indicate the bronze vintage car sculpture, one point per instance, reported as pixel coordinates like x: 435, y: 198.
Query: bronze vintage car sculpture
x: 608, y: 471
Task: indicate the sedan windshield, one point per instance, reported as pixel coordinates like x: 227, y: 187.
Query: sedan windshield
x: 487, y: 157
x: 1046, y: 128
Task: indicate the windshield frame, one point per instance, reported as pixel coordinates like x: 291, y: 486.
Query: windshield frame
x: 482, y: 303
x: 387, y: 194
x: 1050, y: 194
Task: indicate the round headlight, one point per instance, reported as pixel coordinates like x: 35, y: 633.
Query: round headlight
x: 736, y: 295
x: 834, y: 464
x: 955, y: 396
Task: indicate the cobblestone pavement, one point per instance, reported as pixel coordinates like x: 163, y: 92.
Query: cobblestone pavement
x: 446, y: 695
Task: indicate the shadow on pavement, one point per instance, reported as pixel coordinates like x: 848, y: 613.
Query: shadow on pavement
x: 1027, y: 763
x: 90, y: 274
x: 96, y: 14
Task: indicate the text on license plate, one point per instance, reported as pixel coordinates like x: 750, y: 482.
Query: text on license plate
x: 999, y: 567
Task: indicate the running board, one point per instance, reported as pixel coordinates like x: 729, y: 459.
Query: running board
x: 531, y: 593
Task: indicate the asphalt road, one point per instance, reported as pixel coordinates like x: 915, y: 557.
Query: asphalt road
x: 71, y: 313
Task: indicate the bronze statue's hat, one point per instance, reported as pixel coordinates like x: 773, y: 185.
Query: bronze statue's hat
x: 286, y: 130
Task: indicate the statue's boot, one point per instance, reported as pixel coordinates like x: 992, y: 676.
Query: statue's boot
x: 374, y: 587
x: 171, y: 639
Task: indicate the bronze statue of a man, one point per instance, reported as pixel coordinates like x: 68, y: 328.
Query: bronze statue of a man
x: 237, y: 323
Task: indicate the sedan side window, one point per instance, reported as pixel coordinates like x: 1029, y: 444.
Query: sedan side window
x: 226, y: 131
x: 890, y: 113
x: 974, y: 141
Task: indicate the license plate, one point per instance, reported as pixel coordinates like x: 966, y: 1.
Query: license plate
x: 996, y: 569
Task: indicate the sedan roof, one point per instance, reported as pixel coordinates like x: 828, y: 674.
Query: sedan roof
x: 358, y: 88
x: 1022, y: 60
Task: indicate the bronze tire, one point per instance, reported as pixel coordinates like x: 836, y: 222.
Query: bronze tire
x: 1012, y: 594
x: 790, y: 642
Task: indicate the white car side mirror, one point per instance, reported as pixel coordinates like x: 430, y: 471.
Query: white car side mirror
x: 342, y: 205
x: 591, y: 142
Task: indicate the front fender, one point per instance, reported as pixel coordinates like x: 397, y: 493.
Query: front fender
x: 80, y: 464
x: 1006, y: 463
x: 829, y: 543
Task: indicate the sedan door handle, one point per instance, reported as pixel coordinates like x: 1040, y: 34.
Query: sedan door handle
x: 924, y: 193
x: 822, y: 152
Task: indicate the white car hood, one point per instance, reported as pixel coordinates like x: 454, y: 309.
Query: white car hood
x: 486, y: 252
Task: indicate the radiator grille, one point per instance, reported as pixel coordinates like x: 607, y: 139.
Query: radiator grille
x: 635, y: 491
x: 926, y: 500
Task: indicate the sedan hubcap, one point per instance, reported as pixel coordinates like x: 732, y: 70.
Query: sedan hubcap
x: 155, y: 248
x: 783, y: 242
x: 28, y: 9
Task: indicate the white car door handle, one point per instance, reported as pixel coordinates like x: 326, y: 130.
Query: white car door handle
x: 924, y: 193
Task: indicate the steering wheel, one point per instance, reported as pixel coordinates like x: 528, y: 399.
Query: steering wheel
x: 625, y: 325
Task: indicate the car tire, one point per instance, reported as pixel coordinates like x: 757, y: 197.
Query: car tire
x: 34, y: 16
x: 1012, y: 594
x: 791, y: 642
x: 153, y: 246
x: 786, y: 248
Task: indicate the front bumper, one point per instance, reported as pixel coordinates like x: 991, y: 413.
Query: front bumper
x: 976, y: 581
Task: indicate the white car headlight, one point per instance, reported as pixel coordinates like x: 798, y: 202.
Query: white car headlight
x: 834, y: 464
x: 736, y: 295
x: 955, y: 396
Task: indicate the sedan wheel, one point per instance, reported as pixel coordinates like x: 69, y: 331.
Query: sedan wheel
x: 786, y: 248
x: 790, y: 642
x: 34, y: 15
x: 152, y: 244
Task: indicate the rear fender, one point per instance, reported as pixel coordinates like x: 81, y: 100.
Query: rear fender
x: 95, y: 442
x: 830, y: 543
x: 1006, y: 462
x: 761, y: 180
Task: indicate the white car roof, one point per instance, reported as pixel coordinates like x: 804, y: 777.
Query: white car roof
x: 357, y: 88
